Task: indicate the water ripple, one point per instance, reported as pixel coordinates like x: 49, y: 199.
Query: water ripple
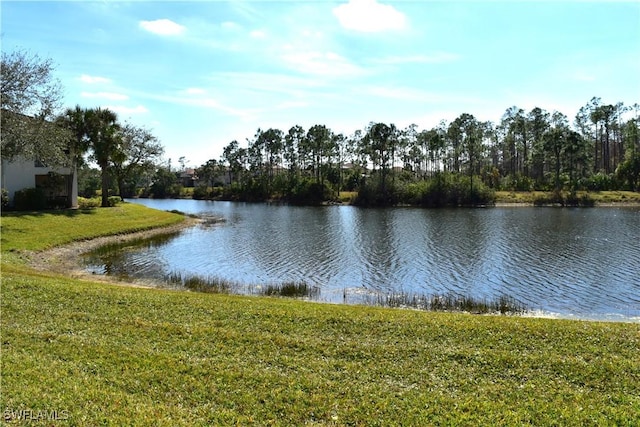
x: 581, y: 262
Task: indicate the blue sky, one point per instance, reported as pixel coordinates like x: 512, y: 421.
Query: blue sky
x: 200, y: 74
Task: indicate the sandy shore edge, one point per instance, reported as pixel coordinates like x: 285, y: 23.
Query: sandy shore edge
x: 65, y: 259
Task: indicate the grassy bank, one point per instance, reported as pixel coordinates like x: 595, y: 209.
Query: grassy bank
x: 34, y: 231
x: 599, y: 197
x: 108, y: 355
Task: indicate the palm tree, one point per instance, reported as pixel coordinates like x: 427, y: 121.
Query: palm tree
x: 104, y: 140
x: 74, y: 119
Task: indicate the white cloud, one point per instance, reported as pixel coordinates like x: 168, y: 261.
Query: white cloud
x: 195, y: 91
x: 435, y: 58
x: 94, y: 79
x: 258, y: 34
x: 163, y: 27
x: 105, y: 95
x: 321, y: 63
x: 230, y: 25
x: 369, y: 16
x: 260, y: 86
x: 121, y: 109
x: 195, y: 100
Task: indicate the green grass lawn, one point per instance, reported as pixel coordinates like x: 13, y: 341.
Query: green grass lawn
x: 600, y: 197
x: 101, y: 354
x: 42, y: 230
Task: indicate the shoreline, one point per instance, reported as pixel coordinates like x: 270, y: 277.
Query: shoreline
x: 65, y: 259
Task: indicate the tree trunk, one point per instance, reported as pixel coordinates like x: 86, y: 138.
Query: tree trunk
x: 105, y: 187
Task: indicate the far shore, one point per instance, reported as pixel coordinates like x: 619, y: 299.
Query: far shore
x: 612, y: 198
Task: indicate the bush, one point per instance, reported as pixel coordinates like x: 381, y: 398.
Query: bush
x: 5, y: 198
x: 518, y: 182
x: 412, y: 192
x: 446, y: 189
x: 600, y: 182
x: 30, y: 199
x: 570, y: 199
x: 89, y: 203
x: 554, y: 198
x: 96, y: 202
x: 307, y: 192
x: 200, y: 193
x: 371, y: 193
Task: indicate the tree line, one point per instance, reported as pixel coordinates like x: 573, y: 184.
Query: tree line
x: 452, y: 163
x: 457, y: 163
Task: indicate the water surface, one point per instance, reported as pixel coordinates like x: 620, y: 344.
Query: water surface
x: 582, y: 263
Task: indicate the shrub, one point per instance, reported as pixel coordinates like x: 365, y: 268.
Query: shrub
x: 445, y: 189
x: 570, y: 199
x: 88, y: 203
x: 554, y: 198
x: 5, y: 198
x: 201, y: 192
x: 412, y: 192
x: 519, y: 182
x: 30, y: 199
x: 307, y: 192
x: 600, y: 182
x: 372, y: 193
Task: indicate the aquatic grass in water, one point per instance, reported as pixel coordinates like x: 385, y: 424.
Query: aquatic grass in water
x: 196, y: 283
x: 450, y: 302
x: 290, y: 289
x: 212, y: 284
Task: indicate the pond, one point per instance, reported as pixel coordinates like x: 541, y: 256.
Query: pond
x: 577, y: 263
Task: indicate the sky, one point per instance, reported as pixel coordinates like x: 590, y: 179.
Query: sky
x: 200, y: 74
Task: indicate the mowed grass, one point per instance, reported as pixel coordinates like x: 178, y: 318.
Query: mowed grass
x: 36, y: 231
x: 110, y: 355
x: 600, y: 197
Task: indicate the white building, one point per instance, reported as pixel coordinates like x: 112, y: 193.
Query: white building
x: 59, y: 184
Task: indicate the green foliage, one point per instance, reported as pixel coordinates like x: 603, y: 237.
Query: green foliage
x: 201, y: 192
x: 553, y: 198
x: 628, y: 172
x: 88, y: 181
x: 4, y: 198
x: 114, y: 201
x: 413, y: 192
x: 443, y: 189
x: 88, y: 203
x: 165, y: 184
x: 232, y: 192
x: 94, y: 202
x: 308, y: 192
x: 524, y: 152
x: 560, y: 198
x: 30, y: 199
x: 584, y: 200
x: 518, y: 182
x: 30, y: 96
x: 600, y: 182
